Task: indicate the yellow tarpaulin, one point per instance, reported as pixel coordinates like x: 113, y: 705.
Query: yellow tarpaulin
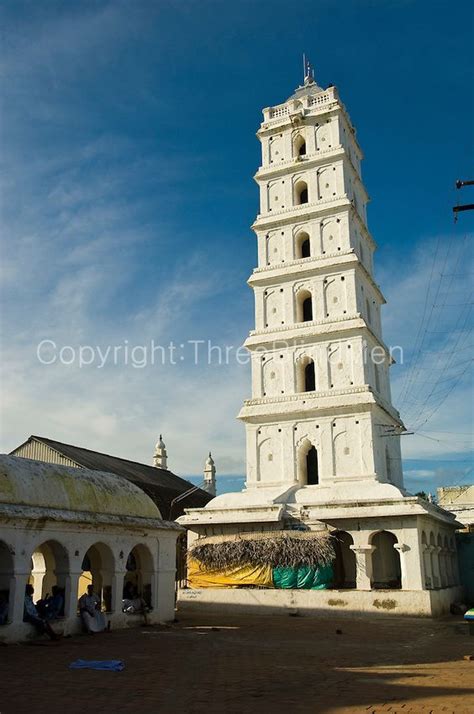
x: 240, y: 576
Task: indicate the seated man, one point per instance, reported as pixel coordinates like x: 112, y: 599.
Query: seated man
x: 54, y: 605
x: 31, y: 615
x: 132, y: 601
x: 89, y: 609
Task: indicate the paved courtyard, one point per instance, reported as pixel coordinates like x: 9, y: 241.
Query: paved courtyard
x: 209, y: 663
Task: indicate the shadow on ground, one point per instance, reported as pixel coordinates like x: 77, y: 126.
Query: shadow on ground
x: 211, y: 663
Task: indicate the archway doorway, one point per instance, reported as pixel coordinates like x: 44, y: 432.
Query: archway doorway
x: 386, y: 568
x: 49, y: 572
x: 97, y: 570
x: 345, y: 562
x: 138, y: 582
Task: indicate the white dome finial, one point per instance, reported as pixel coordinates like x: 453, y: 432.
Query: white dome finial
x: 210, y: 476
x: 160, y: 457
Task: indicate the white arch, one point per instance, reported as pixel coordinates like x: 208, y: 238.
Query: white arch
x: 49, y: 566
x: 386, y: 566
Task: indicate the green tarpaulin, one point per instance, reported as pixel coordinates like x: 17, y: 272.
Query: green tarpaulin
x: 303, y: 578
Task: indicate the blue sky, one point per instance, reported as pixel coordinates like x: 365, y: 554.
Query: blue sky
x: 128, y: 134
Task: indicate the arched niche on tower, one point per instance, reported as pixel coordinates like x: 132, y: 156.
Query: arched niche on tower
x: 305, y: 377
x: 334, y: 296
x: 308, y: 463
x: 299, y: 145
x: 272, y: 377
x: 273, y: 301
x: 268, y: 455
x: 323, y: 136
x: 330, y: 236
x: 274, y: 248
x: 302, y: 244
x: 276, y: 195
x: 338, y: 368
x: 304, y: 305
x: 326, y: 183
x: 346, y: 453
x: 276, y: 149
x: 300, y: 190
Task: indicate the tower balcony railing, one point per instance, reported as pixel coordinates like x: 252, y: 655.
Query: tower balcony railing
x: 315, y: 101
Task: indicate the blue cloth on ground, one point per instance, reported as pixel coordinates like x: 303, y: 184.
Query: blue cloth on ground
x: 113, y: 665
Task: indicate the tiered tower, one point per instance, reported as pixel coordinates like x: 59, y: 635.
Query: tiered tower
x: 321, y: 411
x: 323, y: 439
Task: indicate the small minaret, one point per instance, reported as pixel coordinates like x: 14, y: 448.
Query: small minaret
x: 210, y: 476
x: 160, y: 457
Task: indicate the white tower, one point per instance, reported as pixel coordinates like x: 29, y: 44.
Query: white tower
x: 160, y: 457
x: 321, y: 406
x: 210, y: 476
x: 323, y: 439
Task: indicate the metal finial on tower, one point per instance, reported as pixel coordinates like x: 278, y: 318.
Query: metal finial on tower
x: 308, y: 71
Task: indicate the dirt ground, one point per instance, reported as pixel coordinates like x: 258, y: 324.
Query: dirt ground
x: 227, y: 664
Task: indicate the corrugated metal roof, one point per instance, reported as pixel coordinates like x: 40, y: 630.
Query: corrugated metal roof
x: 160, y: 484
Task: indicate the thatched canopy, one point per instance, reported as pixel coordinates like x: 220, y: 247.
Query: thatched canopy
x: 274, y: 548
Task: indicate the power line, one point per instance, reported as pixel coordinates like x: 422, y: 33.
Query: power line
x: 462, y: 335
x: 435, y: 409
x: 447, y: 365
x: 418, y: 336
x: 424, y: 326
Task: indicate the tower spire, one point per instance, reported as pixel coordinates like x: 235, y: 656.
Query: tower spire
x: 210, y: 476
x: 308, y: 70
x: 160, y: 457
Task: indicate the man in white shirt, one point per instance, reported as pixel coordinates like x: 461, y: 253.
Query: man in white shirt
x: 89, y: 609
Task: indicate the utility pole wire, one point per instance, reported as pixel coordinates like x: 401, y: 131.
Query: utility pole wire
x: 466, y: 206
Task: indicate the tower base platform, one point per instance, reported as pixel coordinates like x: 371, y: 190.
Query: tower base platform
x: 319, y: 603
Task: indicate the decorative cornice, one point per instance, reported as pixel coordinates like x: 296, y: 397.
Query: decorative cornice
x: 307, y: 396
x: 306, y: 161
x: 296, y: 211
x: 305, y: 261
x: 302, y: 325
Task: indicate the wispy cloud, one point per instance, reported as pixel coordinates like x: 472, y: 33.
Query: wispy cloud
x: 101, y: 245
x: 429, y: 314
x: 93, y: 254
